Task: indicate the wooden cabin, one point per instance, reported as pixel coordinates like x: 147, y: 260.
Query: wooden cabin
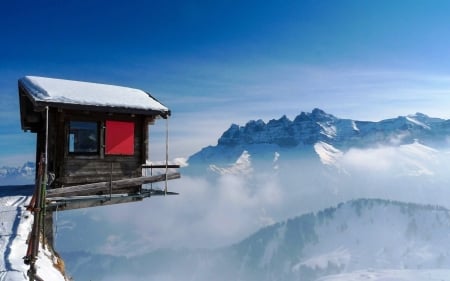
x: 91, y: 144
x: 91, y: 133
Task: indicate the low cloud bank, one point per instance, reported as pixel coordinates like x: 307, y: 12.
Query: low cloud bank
x: 222, y: 210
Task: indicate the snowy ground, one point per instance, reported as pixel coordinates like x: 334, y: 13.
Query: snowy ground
x: 15, y: 226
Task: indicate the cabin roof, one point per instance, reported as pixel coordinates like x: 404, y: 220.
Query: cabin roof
x: 69, y: 94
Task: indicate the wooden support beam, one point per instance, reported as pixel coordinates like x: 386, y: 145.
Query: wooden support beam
x: 104, y: 187
x: 78, y: 202
x: 161, y: 166
x: 92, y: 202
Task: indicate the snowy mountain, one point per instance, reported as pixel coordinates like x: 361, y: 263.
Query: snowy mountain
x: 365, y: 239
x: 321, y: 131
x: 18, y: 175
x: 310, y: 128
x: 318, y: 155
x: 357, y: 235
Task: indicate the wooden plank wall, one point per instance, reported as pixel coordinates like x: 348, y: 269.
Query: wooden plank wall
x: 81, y: 171
x: 74, y: 170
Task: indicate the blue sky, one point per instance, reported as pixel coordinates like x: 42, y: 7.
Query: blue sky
x: 220, y: 62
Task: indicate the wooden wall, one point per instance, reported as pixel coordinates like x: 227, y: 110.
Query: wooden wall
x: 81, y: 169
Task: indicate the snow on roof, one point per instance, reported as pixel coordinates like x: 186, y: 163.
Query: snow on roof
x: 69, y: 92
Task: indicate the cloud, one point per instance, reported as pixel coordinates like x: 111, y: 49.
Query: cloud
x: 223, y: 210
x: 205, y: 214
x: 392, y: 161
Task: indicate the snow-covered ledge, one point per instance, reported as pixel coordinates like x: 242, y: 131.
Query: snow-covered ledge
x: 15, y: 226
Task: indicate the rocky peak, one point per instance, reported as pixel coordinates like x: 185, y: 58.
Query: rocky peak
x: 230, y: 136
x: 255, y: 126
x: 305, y: 128
x: 302, y: 117
x: 320, y: 115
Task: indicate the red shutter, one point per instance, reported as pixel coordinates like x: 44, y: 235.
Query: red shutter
x: 119, y: 138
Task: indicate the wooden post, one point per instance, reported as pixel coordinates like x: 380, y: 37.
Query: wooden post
x: 33, y: 246
x: 110, y: 181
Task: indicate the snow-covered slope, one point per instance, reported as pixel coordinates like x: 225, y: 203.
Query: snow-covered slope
x: 15, y: 226
x: 366, y: 239
x: 357, y: 235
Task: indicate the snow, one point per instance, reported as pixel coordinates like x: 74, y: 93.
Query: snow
x: 242, y: 166
x: 15, y: 226
x: 52, y: 90
x: 275, y: 161
x: 388, y: 238
x: 339, y: 257
x: 418, y: 123
x: 415, y: 155
x: 354, y: 126
x: 328, y: 129
x: 328, y: 154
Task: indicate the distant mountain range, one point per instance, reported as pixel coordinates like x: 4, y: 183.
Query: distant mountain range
x: 354, y: 236
x: 319, y: 127
x: 310, y: 128
x: 17, y: 175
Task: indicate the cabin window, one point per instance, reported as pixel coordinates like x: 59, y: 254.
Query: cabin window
x: 83, y: 137
x: 119, y: 138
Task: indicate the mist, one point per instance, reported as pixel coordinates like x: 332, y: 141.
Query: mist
x: 219, y: 210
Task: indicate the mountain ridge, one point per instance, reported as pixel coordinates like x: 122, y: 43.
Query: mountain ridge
x: 309, y: 128
x: 299, y: 136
